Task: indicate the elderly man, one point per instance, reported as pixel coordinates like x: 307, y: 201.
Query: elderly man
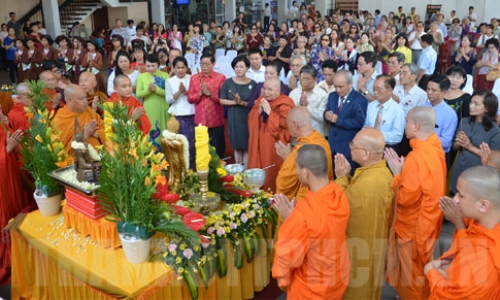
x: 409, y: 94
x: 311, y: 260
x: 329, y: 67
x: 293, y: 77
x: 50, y: 90
x: 419, y: 180
x: 18, y: 119
x: 345, y: 113
x: 469, y: 269
x: 385, y: 114
x: 299, y: 125
x: 395, y: 62
x: 88, y: 83
x: 266, y: 126
x: 365, y: 78
x: 414, y: 41
x: 370, y: 195
x: 203, y: 92
x: 89, y: 120
x: 312, y: 97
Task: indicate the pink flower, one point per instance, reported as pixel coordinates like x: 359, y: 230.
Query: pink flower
x: 251, y: 214
x: 210, y: 230
x: 221, y: 231
x: 188, y: 253
x: 172, y: 247
x: 244, y: 218
x: 233, y: 225
x: 205, y: 245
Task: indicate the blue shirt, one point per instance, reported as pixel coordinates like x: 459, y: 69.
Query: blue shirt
x: 446, y: 123
x: 427, y: 60
x: 11, y: 53
x: 393, y: 120
x: 369, y: 83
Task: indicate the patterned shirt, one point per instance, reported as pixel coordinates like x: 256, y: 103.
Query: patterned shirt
x: 208, y: 111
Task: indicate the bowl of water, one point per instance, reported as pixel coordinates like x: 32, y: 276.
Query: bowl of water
x: 254, y: 177
x: 234, y: 169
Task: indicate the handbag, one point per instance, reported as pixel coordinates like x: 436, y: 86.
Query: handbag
x: 493, y: 75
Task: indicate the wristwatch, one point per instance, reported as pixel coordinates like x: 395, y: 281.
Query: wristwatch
x: 365, y: 93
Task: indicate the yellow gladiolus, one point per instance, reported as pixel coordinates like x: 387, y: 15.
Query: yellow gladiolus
x: 39, y: 138
x: 147, y: 181
x: 49, y: 147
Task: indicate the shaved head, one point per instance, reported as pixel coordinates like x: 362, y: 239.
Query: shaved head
x: 271, y: 89
x: 88, y: 82
x: 494, y: 160
x: 373, y: 140
x: 49, y: 79
x: 299, y: 115
x: 45, y: 75
x: 483, y: 183
x: 22, y: 89
x: 425, y: 117
x: 313, y: 158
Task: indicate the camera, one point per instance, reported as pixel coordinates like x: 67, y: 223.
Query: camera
x: 161, y: 42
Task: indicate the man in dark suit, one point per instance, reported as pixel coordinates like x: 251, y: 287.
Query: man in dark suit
x: 345, y: 114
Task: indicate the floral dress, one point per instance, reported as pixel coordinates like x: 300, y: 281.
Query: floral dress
x: 317, y: 61
x: 197, y: 43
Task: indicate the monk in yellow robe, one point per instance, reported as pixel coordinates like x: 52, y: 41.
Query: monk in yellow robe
x: 418, y: 184
x: 300, y: 127
x: 90, y: 121
x: 267, y: 126
x: 88, y: 82
x: 370, y: 196
x: 311, y: 260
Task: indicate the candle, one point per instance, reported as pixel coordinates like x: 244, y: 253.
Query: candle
x: 202, y: 151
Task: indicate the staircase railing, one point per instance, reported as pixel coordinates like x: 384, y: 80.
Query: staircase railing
x: 36, y: 13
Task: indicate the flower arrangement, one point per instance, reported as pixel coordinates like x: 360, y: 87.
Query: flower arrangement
x: 8, y: 88
x: 42, y: 149
x: 243, y: 225
x: 132, y: 187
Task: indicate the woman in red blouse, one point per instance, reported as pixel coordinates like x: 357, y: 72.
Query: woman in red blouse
x: 254, y: 39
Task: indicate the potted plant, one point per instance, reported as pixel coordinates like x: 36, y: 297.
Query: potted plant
x: 132, y: 187
x: 43, y: 151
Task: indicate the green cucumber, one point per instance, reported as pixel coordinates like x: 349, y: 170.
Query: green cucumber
x: 192, y: 284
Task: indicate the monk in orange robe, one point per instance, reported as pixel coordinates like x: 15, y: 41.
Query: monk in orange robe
x: 123, y: 93
x: 299, y: 125
x: 267, y: 126
x: 50, y: 81
x: 470, y: 269
x: 18, y: 119
x: 88, y: 82
x: 11, y: 192
x: 90, y: 121
x: 311, y: 260
x: 418, y: 184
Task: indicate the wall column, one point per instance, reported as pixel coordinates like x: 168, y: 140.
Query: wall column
x: 282, y: 12
x: 51, y: 17
x: 157, y: 11
x: 230, y: 11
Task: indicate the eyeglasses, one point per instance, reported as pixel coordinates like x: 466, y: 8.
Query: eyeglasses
x: 254, y: 28
x: 325, y: 40
x: 205, y: 64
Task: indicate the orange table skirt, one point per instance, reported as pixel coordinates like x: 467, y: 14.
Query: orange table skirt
x: 51, y: 262
x: 100, y: 230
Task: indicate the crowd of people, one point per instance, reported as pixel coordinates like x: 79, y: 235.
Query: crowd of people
x: 356, y: 97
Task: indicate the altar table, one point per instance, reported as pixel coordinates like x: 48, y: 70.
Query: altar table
x: 50, y: 261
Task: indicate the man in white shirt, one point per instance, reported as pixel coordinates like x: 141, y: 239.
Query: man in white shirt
x: 441, y: 25
x: 256, y: 70
x: 293, y: 77
x: 427, y: 61
x: 293, y: 12
x: 267, y: 16
x: 312, y: 97
x: 472, y: 17
x: 329, y: 67
x: 409, y: 94
x: 385, y: 114
x: 139, y: 35
x: 365, y: 78
x: 414, y: 41
x: 395, y: 62
x: 130, y: 27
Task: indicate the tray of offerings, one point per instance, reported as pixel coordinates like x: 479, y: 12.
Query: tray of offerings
x: 67, y: 176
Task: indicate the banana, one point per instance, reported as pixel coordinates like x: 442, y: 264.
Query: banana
x: 203, y: 275
x: 248, y: 247
x: 192, y: 284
